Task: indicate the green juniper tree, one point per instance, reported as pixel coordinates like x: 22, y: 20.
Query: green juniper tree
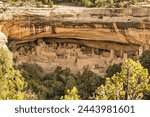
x: 130, y: 84
x: 71, y: 94
x: 12, y: 84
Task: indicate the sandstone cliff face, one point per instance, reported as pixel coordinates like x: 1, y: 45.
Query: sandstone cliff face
x: 77, y: 37
x: 3, y: 40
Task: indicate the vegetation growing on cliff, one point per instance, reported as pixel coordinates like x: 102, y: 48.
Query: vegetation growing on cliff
x: 56, y: 84
x: 145, y: 60
x: 12, y: 84
x: 113, y: 69
x: 132, y: 82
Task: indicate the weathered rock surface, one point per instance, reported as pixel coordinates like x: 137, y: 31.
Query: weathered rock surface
x: 77, y: 37
x: 3, y: 40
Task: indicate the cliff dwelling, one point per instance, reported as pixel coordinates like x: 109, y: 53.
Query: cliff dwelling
x: 81, y: 37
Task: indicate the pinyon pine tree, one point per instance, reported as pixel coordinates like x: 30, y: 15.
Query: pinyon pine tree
x: 130, y: 84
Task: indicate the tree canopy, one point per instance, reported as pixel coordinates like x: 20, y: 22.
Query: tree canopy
x: 71, y: 94
x: 12, y: 84
x: 145, y: 60
x: 130, y: 84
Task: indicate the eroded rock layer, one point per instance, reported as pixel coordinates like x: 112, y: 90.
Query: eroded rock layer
x: 77, y: 37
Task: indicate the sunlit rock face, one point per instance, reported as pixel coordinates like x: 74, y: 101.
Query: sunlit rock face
x: 3, y: 40
x: 3, y: 46
x: 77, y: 37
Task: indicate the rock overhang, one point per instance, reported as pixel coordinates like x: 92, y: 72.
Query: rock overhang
x: 118, y: 25
x: 79, y: 37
